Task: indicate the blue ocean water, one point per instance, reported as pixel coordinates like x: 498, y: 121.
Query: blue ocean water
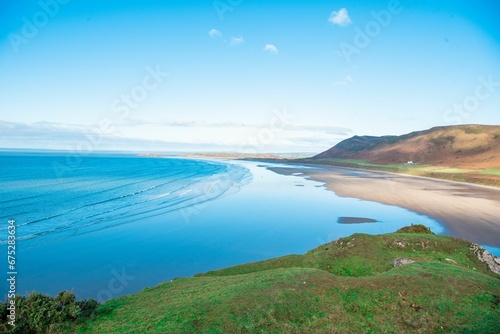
x: 112, y: 225
x: 53, y: 197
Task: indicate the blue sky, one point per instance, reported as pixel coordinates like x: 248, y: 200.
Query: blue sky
x: 265, y: 76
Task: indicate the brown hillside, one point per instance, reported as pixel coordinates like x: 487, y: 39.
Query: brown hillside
x: 461, y: 146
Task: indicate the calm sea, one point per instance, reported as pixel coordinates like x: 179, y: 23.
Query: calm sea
x: 112, y: 225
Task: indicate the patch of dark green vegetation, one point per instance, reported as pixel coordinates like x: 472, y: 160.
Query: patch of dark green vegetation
x: 472, y: 129
x: 418, y: 228
x: 42, y: 314
x: 440, y: 141
x: 348, y: 285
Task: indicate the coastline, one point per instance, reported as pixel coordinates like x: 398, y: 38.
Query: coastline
x: 465, y: 210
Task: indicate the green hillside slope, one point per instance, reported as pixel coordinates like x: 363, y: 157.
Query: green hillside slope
x: 349, y: 285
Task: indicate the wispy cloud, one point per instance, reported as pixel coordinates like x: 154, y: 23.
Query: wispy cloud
x: 40, y: 134
x: 210, y: 124
x: 214, y: 33
x: 340, y: 18
x: 60, y: 131
x: 47, y: 135
x: 80, y: 140
x: 192, y: 123
x: 271, y: 48
x: 344, y: 82
x: 236, y: 41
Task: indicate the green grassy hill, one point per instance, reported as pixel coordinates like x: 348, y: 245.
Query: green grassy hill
x: 349, y: 285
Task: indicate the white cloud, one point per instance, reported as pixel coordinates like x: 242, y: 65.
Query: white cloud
x: 344, y: 82
x: 151, y: 136
x: 341, y: 18
x: 271, y: 48
x: 235, y: 41
x: 214, y: 33
x: 200, y: 123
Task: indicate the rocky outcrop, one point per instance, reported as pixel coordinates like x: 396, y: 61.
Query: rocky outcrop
x: 400, y: 262
x: 483, y: 255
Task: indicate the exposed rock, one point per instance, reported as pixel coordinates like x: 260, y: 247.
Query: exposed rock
x: 400, y: 243
x: 451, y: 260
x: 400, y: 261
x: 483, y: 255
x: 416, y: 307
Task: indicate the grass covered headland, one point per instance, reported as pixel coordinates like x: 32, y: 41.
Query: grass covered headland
x: 408, y: 281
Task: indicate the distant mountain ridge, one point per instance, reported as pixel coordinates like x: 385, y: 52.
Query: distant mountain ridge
x: 464, y: 146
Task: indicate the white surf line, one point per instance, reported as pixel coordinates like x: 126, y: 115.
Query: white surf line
x: 160, y: 196
x: 208, y: 190
x: 185, y: 192
x: 213, y: 184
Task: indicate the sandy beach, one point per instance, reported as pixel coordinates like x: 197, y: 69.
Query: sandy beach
x: 465, y: 210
